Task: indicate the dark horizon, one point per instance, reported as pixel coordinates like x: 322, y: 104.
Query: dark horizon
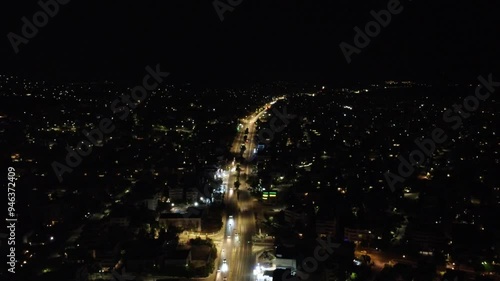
x: 256, y: 42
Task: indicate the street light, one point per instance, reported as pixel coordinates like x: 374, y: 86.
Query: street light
x: 224, y: 267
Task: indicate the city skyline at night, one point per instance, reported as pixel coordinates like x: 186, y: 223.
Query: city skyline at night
x: 250, y: 140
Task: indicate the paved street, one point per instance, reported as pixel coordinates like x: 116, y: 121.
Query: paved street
x: 238, y: 231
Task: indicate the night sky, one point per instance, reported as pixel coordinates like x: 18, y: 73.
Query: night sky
x: 258, y: 41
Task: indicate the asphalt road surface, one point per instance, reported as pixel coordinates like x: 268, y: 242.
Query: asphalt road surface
x: 238, y: 231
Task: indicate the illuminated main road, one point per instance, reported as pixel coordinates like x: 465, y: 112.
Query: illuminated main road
x: 235, y: 247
